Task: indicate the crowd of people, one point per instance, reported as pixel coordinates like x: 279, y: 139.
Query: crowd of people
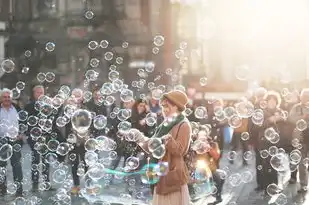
x: 269, y: 123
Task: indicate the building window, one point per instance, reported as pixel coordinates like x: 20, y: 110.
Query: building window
x: 47, y: 8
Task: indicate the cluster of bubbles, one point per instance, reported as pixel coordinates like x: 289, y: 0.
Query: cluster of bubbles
x: 48, y: 77
x: 81, y: 119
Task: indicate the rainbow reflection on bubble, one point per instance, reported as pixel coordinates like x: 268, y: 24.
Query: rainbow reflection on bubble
x: 150, y: 173
x: 161, y: 168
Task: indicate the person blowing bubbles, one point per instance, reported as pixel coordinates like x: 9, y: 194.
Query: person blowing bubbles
x: 175, y: 135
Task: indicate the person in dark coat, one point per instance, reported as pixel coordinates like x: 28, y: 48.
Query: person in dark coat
x: 254, y: 130
x: 217, y: 127
x: 274, y: 119
x: 298, y: 113
x: 36, y: 109
x: 286, y: 136
x: 100, y: 108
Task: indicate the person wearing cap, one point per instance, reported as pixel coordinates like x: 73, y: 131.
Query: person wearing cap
x: 175, y: 133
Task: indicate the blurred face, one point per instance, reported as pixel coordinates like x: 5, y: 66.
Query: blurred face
x: 37, y: 92
x: 77, y: 94
x: 168, y: 109
x: 271, y: 103
x: 304, y: 99
x: 128, y: 105
x: 259, y: 98
x: 96, y: 96
x: 141, y: 107
x: 217, y: 103
x: 153, y: 101
x: 6, y: 99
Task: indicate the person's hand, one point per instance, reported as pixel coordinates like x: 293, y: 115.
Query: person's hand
x: 20, y: 137
x: 139, y: 137
x: 147, y: 108
x: 306, y: 117
x: 278, y: 118
x: 272, y: 119
x: 166, y: 138
x: 142, y: 122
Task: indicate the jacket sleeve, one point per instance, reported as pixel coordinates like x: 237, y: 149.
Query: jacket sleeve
x: 180, y: 145
x: 144, y: 145
x: 294, y: 114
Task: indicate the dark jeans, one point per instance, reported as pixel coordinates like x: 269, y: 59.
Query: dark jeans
x: 289, y: 149
x: 79, y: 151
x: 236, y: 141
x: 259, y: 172
x: 115, y: 163
x: 35, y: 174
x: 17, y: 172
x: 219, y: 182
x: 268, y: 174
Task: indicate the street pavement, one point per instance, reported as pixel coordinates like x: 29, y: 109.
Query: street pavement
x: 234, y: 193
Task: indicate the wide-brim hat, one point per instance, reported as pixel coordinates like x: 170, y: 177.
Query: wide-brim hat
x: 178, y: 98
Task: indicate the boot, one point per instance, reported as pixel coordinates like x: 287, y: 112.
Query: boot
x: 218, y: 200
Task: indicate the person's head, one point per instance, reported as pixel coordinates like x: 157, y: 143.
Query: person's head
x: 273, y: 99
x: 304, y: 97
x: 140, y: 106
x: 6, y: 97
x: 38, y: 91
x: 259, y: 94
x: 173, y: 103
x: 77, y: 94
x: 96, y: 95
x: 128, y: 104
x: 153, y: 101
x: 218, y: 103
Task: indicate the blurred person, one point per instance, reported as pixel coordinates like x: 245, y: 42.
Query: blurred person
x: 237, y: 140
x: 128, y: 104
x: 298, y: 113
x: 175, y: 132
x: 138, y: 121
x: 122, y: 144
x: 9, y: 120
x: 154, y: 106
x: 140, y: 110
x: 99, y: 107
x: 273, y: 120
x: 32, y: 109
x: 254, y: 130
x: 259, y: 97
x: 217, y: 127
x: 212, y: 159
x: 77, y: 154
x: 193, y: 105
x: 289, y: 100
x: 209, y: 162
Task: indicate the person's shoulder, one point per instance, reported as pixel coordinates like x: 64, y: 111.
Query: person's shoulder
x: 185, y: 124
x: 16, y: 106
x: 297, y: 106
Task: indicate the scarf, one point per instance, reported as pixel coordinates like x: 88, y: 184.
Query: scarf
x: 166, y: 126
